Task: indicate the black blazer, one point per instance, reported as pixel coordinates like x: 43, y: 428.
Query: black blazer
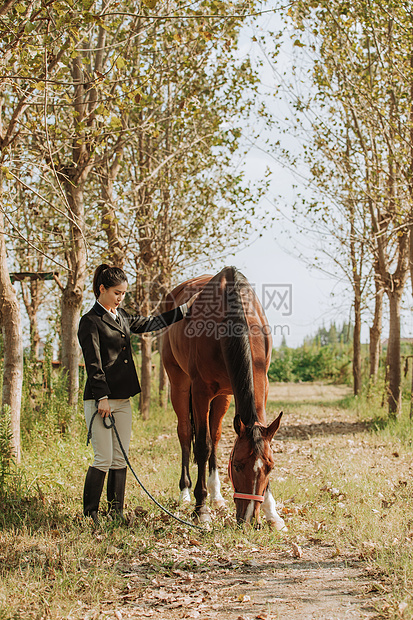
x: 107, y: 350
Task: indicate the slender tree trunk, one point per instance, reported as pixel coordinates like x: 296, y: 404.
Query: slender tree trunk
x: 411, y: 396
x: 146, y: 375
x: 13, y: 345
x: 356, y: 337
x: 356, y: 257
x: 31, y: 298
x: 34, y: 337
x: 74, y: 176
x: 393, y: 354
x: 375, y: 333
x: 116, y: 244
x: 163, y: 377
x: 72, y: 296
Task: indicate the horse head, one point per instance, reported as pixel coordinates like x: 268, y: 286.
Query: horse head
x: 250, y: 465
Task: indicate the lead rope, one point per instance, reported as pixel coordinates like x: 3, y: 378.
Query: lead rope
x: 125, y: 456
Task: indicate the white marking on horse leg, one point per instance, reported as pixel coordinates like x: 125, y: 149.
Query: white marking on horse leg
x: 184, y: 496
x: 270, y: 513
x: 214, y: 489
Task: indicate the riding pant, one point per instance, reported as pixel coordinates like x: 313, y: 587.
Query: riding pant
x: 108, y: 454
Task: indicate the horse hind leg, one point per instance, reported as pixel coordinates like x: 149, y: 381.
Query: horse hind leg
x: 180, y: 402
x: 218, y: 409
x: 202, y: 450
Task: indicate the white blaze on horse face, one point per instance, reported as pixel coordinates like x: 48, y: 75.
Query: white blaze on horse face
x: 270, y: 513
x: 251, y: 506
x: 214, y: 488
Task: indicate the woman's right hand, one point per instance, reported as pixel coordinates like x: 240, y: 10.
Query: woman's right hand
x: 103, y: 407
x: 192, y: 299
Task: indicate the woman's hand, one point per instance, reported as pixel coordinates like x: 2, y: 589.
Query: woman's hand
x: 103, y: 407
x: 192, y: 299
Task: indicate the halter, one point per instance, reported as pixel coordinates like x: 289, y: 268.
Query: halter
x: 255, y: 498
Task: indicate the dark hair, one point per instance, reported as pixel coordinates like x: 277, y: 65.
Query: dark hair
x: 108, y: 276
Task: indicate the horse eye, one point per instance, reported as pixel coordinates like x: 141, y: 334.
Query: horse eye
x: 239, y: 466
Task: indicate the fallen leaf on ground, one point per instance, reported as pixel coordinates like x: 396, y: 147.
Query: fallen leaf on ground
x: 297, y: 551
x: 244, y: 598
x: 402, y: 607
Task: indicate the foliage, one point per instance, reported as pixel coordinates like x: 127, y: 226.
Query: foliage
x: 149, y: 128
x: 45, y: 408
x: 324, y: 357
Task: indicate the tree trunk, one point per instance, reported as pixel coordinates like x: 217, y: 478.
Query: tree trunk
x: 163, y: 377
x: 356, y: 337
x: 116, y: 244
x: 411, y: 396
x: 72, y: 296
x: 393, y: 354
x: 146, y: 372
x: 34, y: 338
x: 13, y: 346
x: 375, y: 333
x: 70, y: 307
x: 32, y: 298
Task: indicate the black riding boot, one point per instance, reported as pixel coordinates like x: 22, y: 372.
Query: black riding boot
x: 116, y: 491
x: 95, y: 479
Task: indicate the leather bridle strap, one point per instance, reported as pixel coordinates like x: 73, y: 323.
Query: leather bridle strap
x: 248, y: 496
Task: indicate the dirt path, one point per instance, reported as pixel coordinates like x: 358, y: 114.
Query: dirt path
x: 303, y: 578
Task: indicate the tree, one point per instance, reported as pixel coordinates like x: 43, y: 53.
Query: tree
x: 359, y: 115
x: 17, y: 22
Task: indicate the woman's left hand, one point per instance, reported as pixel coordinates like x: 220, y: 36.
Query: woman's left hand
x: 103, y: 407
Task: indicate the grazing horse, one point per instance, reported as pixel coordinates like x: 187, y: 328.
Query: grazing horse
x: 222, y: 348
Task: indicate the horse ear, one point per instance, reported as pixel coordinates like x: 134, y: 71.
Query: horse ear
x: 239, y: 426
x: 273, y: 427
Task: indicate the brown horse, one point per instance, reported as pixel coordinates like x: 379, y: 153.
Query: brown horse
x: 223, y: 348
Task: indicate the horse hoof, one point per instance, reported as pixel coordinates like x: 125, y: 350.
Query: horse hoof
x: 203, y: 517
x: 184, y: 496
x: 278, y: 524
x: 219, y: 503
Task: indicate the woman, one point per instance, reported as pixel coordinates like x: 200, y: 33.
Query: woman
x: 104, y: 335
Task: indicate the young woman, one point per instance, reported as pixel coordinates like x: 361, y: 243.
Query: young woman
x: 104, y: 335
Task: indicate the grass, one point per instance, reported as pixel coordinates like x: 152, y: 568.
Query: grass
x: 357, y: 494
x: 351, y: 491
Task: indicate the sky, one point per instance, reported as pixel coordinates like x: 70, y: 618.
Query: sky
x: 297, y: 298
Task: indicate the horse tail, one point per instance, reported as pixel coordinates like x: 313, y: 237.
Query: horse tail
x: 236, y: 348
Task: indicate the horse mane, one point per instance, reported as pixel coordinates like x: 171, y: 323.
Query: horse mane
x: 236, y: 350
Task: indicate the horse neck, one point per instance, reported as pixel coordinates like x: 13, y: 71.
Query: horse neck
x: 236, y: 351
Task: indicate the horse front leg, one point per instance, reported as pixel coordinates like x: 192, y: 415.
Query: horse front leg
x: 218, y: 409
x: 270, y: 513
x: 202, y: 451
